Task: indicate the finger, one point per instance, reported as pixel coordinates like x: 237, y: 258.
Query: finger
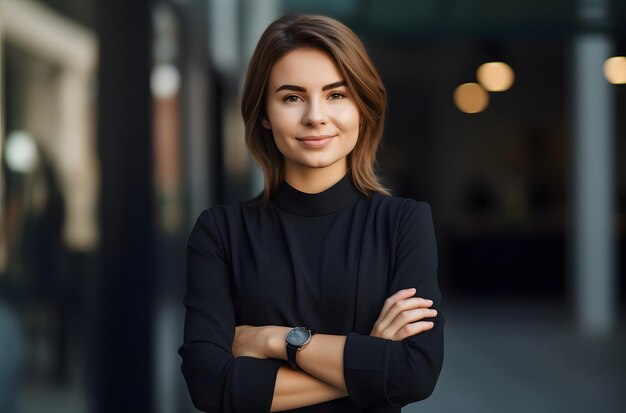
x: 399, y: 295
x: 411, y: 316
x: 413, y: 329
x: 400, y: 306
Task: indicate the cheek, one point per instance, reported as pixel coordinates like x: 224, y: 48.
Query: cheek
x: 280, y: 128
x: 282, y: 120
x: 348, y: 117
x: 355, y: 127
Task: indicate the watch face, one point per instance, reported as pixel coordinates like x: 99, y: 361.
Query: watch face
x: 298, y: 336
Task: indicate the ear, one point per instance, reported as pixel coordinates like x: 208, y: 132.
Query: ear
x: 266, y: 123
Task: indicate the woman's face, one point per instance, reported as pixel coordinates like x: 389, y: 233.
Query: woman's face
x: 312, y: 115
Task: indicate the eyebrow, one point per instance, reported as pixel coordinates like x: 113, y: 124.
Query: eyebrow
x: 303, y: 89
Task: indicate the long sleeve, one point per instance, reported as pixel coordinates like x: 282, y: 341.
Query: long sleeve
x: 395, y: 373
x: 217, y: 381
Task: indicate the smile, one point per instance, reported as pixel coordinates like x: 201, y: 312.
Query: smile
x: 315, y: 141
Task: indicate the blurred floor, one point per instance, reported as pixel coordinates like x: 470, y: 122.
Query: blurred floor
x: 36, y: 396
x: 519, y: 356
x: 39, y: 398
x: 501, y: 356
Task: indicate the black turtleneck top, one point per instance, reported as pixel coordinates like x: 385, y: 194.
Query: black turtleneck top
x: 326, y: 261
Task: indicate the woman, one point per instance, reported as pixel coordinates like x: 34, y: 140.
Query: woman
x: 315, y: 296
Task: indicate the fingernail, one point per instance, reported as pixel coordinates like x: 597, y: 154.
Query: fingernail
x: 411, y: 290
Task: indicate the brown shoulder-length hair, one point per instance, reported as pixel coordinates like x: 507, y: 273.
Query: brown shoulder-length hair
x: 292, y: 32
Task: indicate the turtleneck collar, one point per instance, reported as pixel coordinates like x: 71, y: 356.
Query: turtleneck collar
x: 340, y: 195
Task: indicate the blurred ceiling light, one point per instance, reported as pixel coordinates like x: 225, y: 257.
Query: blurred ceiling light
x: 495, y: 76
x: 471, y: 98
x: 164, y: 81
x: 20, y: 152
x: 615, y: 70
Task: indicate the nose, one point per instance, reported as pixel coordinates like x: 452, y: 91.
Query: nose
x: 314, y: 114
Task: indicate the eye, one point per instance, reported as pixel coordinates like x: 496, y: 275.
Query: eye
x: 337, y: 95
x: 291, y: 98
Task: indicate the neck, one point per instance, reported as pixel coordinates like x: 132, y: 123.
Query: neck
x: 314, y: 180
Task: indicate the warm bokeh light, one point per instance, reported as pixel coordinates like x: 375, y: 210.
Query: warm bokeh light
x: 471, y: 98
x: 20, y: 152
x: 495, y: 76
x: 615, y: 70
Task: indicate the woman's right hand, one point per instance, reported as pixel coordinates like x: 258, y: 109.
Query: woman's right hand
x: 401, y: 315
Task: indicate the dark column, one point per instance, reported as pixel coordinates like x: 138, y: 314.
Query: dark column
x: 121, y: 356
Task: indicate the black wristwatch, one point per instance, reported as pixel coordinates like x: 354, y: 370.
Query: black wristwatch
x: 297, y: 338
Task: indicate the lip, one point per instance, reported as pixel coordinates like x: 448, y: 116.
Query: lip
x: 318, y: 141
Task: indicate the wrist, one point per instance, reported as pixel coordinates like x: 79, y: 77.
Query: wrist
x: 276, y: 346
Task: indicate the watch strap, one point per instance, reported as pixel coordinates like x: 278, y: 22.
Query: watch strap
x: 291, y: 356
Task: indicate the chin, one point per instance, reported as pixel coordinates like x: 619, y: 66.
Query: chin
x: 319, y: 163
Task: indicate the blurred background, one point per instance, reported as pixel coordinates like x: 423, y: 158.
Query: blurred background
x: 120, y: 123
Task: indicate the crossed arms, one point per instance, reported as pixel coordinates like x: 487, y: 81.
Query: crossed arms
x: 322, y: 378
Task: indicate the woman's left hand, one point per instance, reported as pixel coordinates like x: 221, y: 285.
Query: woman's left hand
x: 250, y: 341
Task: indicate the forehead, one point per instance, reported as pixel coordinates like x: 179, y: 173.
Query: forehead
x: 305, y: 67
